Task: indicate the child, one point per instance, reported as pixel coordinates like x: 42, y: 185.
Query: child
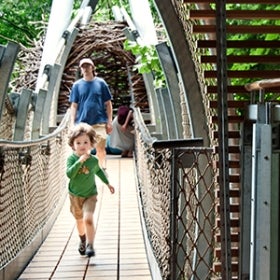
x: 81, y: 170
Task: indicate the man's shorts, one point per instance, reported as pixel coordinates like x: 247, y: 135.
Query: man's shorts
x: 101, y: 134
x: 80, y: 205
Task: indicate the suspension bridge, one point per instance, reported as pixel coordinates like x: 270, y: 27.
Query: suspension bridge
x: 200, y: 198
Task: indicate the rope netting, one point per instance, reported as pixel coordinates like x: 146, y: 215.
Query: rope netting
x: 33, y: 181
x: 32, y: 185
x: 177, y: 187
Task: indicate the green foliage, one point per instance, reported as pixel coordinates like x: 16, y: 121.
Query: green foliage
x: 24, y: 21
x: 256, y: 51
x: 147, y: 61
x: 103, y: 11
x: 21, y: 20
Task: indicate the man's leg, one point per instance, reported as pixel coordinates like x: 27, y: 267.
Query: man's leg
x: 101, y: 136
x: 101, y: 154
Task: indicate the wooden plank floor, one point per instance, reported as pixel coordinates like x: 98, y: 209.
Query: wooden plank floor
x: 119, y: 244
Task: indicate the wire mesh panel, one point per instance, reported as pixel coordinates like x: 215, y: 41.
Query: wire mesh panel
x: 193, y: 214
x: 177, y: 187
x: 32, y: 182
x: 154, y: 181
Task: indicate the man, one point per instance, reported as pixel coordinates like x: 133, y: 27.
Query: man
x: 90, y: 99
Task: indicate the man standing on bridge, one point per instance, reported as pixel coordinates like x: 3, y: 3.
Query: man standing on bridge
x: 91, y: 103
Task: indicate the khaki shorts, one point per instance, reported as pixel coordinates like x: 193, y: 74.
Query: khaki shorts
x: 79, y: 205
x: 101, y: 134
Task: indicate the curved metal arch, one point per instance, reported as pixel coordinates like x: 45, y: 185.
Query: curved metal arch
x: 198, y: 121
x: 186, y: 69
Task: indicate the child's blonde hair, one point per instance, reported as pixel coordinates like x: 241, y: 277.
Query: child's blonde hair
x: 80, y: 129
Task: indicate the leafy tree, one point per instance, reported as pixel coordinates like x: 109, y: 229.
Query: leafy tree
x: 147, y: 61
x: 103, y: 10
x: 22, y: 20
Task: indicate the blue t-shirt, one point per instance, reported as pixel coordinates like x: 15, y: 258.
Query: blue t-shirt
x: 91, y: 96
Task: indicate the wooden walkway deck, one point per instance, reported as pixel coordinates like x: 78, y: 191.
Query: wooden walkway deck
x: 119, y: 244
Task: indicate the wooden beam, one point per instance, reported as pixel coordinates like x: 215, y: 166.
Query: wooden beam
x: 243, y: 59
x: 258, y: 44
x: 233, y: 1
x: 252, y: 74
x: 263, y: 84
x: 236, y: 14
x: 239, y: 29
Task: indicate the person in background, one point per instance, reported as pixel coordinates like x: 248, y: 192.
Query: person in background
x: 91, y: 102
x: 122, y: 136
x: 82, y: 167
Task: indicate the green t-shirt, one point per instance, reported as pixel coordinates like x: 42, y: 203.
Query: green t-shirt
x: 82, y: 175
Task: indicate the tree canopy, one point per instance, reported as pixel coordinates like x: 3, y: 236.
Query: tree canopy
x: 24, y: 21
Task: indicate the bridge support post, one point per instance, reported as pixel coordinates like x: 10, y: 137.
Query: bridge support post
x: 245, y: 200
x: 264, y: 231
x: 8, y: 57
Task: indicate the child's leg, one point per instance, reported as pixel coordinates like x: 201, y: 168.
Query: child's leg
x: 76, y: 204
x: 88, y: 211
x: 80, y: 226
x: 89, y: 227
x: 82, y: 235
x: 76, y: 208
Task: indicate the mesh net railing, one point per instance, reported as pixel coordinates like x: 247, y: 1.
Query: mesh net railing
x: 177, y: 187
x: 32, y: 184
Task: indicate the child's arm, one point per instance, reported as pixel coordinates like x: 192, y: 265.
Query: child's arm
x: 73, y: 167
x: 111, y: 188
x: 101, y: 174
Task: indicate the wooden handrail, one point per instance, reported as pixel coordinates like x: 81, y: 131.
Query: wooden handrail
x: 263, y: 84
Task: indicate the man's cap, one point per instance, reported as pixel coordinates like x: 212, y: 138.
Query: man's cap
x: 86, y: 60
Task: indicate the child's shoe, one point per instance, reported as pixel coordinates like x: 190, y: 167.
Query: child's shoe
x: 90, y: 251
x: 82, y: 248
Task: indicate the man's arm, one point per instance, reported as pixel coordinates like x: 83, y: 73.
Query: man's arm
x: 73, y: 113
x: 109, y: 110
